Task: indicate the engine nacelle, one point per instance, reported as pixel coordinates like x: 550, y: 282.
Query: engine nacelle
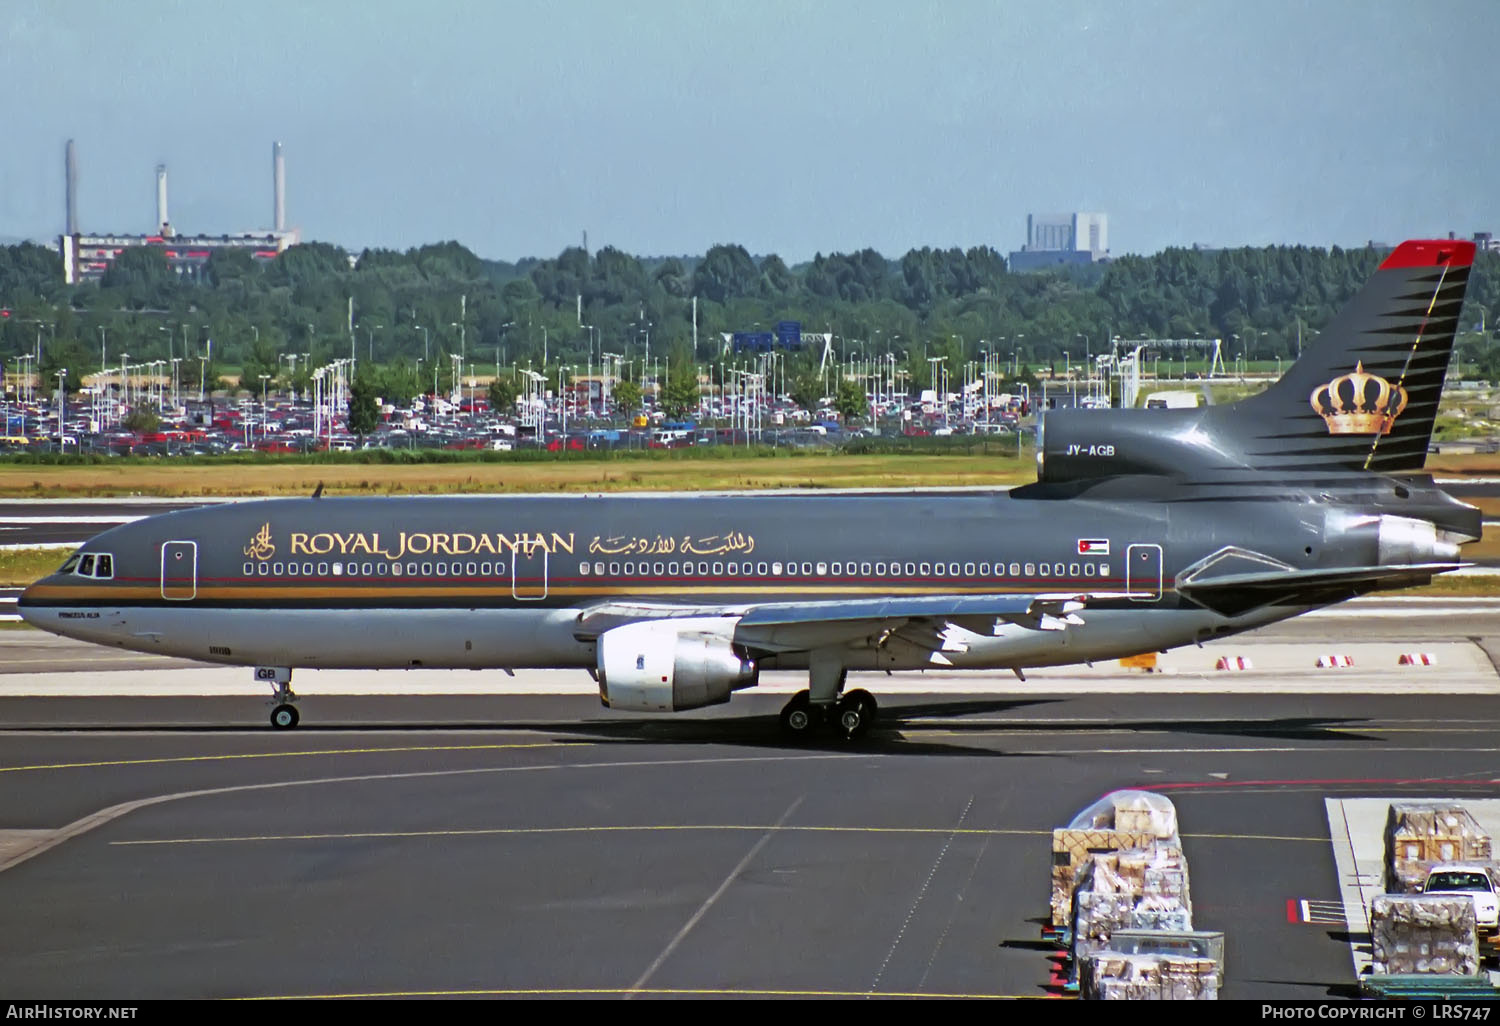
x: 1082, y: 445
x: 669, y: 665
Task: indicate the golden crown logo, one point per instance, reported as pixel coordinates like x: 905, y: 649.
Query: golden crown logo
x: 261, y: 546
x: 1359, y: 403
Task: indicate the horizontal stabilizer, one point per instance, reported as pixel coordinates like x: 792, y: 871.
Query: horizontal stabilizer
x: 1232, y: 594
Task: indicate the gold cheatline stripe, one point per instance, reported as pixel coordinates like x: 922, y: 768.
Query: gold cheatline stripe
x: 289, y: 755
x: 650, y: 828
x: 69, y: 592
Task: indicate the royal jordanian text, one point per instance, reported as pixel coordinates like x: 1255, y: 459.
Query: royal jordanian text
x: 437, y: 543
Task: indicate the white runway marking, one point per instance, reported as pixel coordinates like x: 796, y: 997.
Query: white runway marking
x: 715, y: 896
x: 125, y: 519
x: 107, y: 815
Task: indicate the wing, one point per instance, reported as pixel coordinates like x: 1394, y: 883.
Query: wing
x: 937, y: 622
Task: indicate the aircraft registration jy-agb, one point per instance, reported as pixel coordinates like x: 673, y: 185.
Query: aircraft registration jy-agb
x: 1145, y: 530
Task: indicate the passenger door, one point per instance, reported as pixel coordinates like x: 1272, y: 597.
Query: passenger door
x: 1143, y: 572
x: 528, y: 574
x: 179, y: 570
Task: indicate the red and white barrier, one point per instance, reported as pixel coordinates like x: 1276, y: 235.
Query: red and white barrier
x: 1417, y: 659
x: 1329, y: 662
x: 1233, y: 663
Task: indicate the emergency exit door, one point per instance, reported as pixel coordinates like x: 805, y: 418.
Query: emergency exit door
x: 179, y: 570
x: 1143, y: 572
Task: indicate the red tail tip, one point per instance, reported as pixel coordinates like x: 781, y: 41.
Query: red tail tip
x: 1430, y: 253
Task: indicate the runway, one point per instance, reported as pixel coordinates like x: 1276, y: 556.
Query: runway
x: 64, y: 522
x: 158, y: 842
x: 557, y: 853
x: 469, y: 833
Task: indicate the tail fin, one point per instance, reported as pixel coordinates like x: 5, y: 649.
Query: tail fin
x: 1365, y: 396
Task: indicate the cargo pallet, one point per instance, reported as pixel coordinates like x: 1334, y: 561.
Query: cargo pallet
x: 1441, y: 986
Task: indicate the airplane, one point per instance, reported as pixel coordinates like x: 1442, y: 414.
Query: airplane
x: 1145, y: 530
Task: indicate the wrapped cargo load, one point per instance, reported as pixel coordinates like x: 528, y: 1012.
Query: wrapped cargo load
x: 1117, y: 822
x: 1113, y: 976
x: 1419, y: 834
x: 1140, y: 889
x: 1423, y: 933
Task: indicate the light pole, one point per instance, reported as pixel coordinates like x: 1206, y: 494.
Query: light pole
x: 460, y: 357
x: 503, y: 329
x: 264, y: 423
x: 62, y: 408
x: 423, y: 330
x: 370, y: 331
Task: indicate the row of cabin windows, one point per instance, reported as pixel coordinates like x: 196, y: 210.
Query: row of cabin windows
x: 102, y: 568
x: 279, y: 569
x: 98, y: 565
x: 705, y: 569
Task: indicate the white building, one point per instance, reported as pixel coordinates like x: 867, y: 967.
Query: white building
x: 1059, y: 239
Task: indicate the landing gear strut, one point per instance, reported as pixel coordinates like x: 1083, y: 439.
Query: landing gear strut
x: 284, y: 715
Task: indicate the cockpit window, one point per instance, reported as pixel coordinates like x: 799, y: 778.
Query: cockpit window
x: 68, y: 566
x: 99, y: 565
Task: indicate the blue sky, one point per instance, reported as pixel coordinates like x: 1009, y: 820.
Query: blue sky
x: 789, y: 127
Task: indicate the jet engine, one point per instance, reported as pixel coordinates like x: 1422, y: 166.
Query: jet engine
x: 670, y: 665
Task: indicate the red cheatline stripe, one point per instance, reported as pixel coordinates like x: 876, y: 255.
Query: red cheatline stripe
x: 1291, y: 911
x: 1370, y: 781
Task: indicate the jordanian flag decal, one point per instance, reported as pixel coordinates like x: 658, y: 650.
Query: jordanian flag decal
x: 1093, y: 546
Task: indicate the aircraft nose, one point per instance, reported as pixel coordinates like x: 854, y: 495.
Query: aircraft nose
x: 25, y: 605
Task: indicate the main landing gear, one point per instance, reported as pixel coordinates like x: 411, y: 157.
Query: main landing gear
x: 852, y: 715
x: 284, y: 715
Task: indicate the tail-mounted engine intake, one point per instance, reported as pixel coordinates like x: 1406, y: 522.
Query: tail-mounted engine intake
x: 669, y: 665
x: 1081, y: 445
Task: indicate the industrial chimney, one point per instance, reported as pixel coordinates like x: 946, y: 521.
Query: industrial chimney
x: 278, y: 170
x: 71, y: 165
x: 162, y: 221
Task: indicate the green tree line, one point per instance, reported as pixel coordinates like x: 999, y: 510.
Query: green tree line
x: 419, y: 308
